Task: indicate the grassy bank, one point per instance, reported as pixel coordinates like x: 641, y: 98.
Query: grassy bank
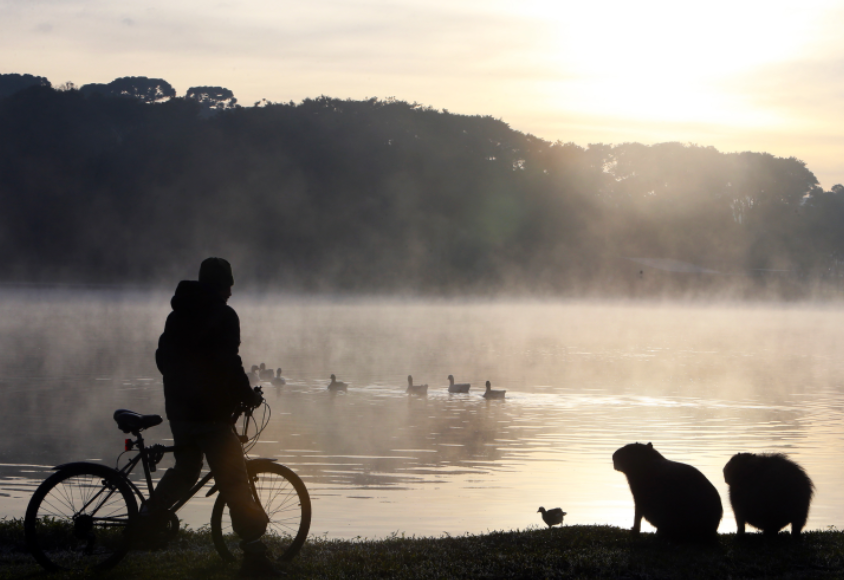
x: 568, y: 552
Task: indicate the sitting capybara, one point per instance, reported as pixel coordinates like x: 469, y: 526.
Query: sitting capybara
x: 675, y: 498
x: 768, y: 491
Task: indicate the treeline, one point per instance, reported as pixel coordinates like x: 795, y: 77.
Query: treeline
x: 383, y: 195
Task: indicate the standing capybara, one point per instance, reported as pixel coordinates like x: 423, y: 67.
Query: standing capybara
x: 768, y: 491
x: 675, y: 498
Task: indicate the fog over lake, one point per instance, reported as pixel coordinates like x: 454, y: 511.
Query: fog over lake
x: 701, y: 382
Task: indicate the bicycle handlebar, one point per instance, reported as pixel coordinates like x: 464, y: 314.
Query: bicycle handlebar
x: 245, y: 408
x: 246, y: 411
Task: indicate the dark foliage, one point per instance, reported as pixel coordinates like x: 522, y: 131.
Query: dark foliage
x: 12, y: 83
x: 212, y: 99
x: 141, y: 88
x: 384, y: 195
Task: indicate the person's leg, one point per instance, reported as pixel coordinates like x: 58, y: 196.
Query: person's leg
x: 180, y: 478
x: 153, y: 515
x: 224, y: 453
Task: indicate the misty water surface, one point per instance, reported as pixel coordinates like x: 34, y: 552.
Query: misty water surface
x: 582, y: 379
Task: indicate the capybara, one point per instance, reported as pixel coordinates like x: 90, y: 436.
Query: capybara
x: 768, y: 491
x: 675, y: 498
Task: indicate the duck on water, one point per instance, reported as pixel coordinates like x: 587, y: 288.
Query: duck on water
x: 416, y: 389
x: 264, y: 373
x: 457, y: 388
x: 490, y: 394
x: 336, y: 385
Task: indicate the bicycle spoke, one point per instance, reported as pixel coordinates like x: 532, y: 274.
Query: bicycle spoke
x: 78, y: 518
x: 284, y: 498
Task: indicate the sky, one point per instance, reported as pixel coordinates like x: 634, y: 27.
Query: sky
x: 739, y: 75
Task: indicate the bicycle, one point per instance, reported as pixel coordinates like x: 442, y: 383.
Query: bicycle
x: 83, y: 516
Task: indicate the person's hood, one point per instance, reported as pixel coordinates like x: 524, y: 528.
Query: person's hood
x: 194, y: 296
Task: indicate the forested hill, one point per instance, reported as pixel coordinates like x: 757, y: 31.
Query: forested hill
x: 382, y: 196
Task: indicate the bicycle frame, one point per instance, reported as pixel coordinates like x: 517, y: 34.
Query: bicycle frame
x: 96, y: 505
x: 150, y: 456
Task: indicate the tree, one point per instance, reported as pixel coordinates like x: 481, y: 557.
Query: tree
x: 379, y: 194
x: 142, y: 88
x: 12, y: 83
x: 212, y: 99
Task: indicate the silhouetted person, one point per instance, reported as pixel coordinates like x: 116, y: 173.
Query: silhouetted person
x: 204, y: 382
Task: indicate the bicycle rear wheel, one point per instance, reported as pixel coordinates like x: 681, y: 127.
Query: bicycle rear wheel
x: 284, y: 498
x: 78, y: 519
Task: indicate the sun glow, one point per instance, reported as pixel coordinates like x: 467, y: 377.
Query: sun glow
x: 661, y: 60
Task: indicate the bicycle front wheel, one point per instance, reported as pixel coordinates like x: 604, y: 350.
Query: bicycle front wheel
x: 78, y: 519
x: 284, y: 498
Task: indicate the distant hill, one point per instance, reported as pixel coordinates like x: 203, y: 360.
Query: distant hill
x: 129, y: 183
x: 12, y: 83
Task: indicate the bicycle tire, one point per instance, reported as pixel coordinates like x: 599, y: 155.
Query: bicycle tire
x: 78, y: 518
x: 285, y: 499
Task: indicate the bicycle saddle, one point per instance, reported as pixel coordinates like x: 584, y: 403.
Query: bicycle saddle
x: 130, y: 421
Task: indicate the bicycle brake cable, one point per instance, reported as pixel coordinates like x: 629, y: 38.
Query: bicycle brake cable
x: 117, y: 461
x: 259, y: 428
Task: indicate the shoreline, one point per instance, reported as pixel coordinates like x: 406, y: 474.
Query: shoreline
x: 563, y: 552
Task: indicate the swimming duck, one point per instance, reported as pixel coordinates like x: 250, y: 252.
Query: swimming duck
x: 490, y: 394
x: 264, y: 373
x: 336, y: 385
x: 552, y: 517
x: 459, y: 387
x: 416, y: 389
x: 278, y: 380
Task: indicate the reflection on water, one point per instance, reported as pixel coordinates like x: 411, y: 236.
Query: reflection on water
x: 582, y: 379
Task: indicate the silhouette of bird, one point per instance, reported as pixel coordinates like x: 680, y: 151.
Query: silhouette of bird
x: 416, y: 389
x: 459, y: 387
x: 552, y: 517
x: 278, y: 380
x: 264, y: 373
x: 490, y: 394
x: 336, y: 385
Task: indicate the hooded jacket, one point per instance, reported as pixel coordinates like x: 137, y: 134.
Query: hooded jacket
x: 198, y: 356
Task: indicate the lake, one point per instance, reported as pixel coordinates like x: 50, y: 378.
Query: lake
x: 701, y: 382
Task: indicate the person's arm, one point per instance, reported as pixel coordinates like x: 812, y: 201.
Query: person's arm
x: 164, y: 352
x: 231, y: 362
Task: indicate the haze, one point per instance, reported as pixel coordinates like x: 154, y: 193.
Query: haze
x: 748, y: 75
x: 582, y: 379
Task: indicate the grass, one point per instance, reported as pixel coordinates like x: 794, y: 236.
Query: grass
x: 567, y: 552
